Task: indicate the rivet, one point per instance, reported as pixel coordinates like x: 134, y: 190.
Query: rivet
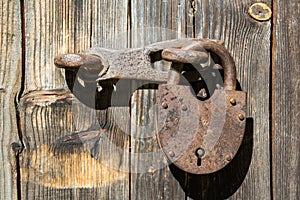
x: 228, y: 158
x: 184, y: 108
x: 171, y: 153
x: 233, y: 101
x: 164, y: 105
x: 260, y: 11
x: 242, y: 117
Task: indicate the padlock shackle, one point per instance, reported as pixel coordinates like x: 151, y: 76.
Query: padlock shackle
x: 227, y: 62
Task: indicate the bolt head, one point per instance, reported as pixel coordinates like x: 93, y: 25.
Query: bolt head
x: 184, y: 107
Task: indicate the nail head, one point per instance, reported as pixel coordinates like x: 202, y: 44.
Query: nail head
x: 260, y: 11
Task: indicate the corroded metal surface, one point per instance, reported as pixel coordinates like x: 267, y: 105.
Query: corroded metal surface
x: 189, y: 125
x: 137, y: 63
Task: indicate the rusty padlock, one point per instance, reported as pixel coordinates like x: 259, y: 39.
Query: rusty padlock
x: 198, y: 136
x: 201, y: 137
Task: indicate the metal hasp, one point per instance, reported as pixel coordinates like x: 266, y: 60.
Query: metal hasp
x: 200, y: 131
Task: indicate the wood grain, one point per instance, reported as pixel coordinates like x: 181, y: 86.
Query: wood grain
x: 52, y: 28
x: 55, y: 164
x: 10, y: 84
x: 151, y: 178
x: 285, y: 100
x: 109, y: 30
x: 159, y: 20
x: 249, y: 43
x: 116, y: 169
x: 63, y: 165
x: 109, y: 23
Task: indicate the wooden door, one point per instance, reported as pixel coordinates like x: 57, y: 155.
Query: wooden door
x: 38, y: 110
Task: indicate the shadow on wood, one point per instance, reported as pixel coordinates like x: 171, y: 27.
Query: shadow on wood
x: 110, y: 93
x: 224, y: 183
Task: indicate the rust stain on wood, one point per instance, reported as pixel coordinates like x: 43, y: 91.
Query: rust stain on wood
x: 67, y: 170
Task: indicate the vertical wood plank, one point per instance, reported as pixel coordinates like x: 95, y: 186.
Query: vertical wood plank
x: 109, y: 30
x: 52, y: 28
x: 285, y: 100
x: 151, y: 177
x: 10, y: 84
x: 191, y: 10
x: 92, y: 168
x: 109, y: 23
x: 154, y: 21
x: 249, y: 43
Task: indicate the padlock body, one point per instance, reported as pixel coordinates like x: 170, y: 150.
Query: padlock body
x: 215, y: 126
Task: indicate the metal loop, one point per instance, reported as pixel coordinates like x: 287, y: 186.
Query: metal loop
x: 188, y: 55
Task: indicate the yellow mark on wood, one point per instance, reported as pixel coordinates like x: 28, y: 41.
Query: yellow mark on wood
x: 67, y: 170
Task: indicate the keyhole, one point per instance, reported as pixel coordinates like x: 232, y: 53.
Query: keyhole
x: 199, y: 153
x: 199, y: 161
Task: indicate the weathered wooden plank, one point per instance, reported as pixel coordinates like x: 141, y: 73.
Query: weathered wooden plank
x: 56, y: 165
x: 151, y: 178
x: 249, y: 43
x: 10, y: 84
x: 285, y: 100
x: 51, y: 28
x: 58, y: 162
x: 191, y: 9
x: 159, y: 20
x: 49, y: 118
x: 109, y: 30
x: 109, y: 23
